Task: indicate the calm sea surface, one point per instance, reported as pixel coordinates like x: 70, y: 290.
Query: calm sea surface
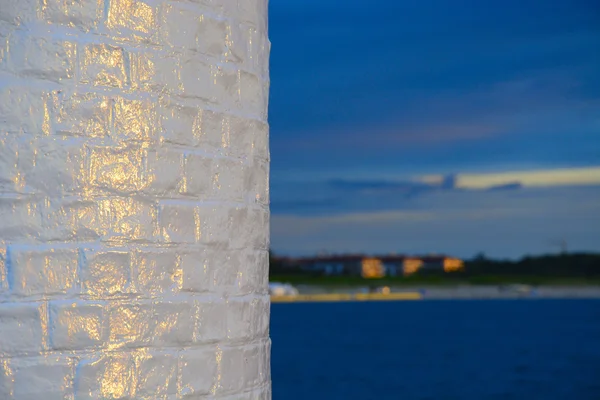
x: 490, y: 349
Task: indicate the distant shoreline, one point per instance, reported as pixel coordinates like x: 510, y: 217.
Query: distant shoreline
x: 466, y: 292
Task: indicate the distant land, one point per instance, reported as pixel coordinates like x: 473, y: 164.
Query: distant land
x: 565, y: 269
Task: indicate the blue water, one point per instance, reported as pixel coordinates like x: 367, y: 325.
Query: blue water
x: 474, y: 350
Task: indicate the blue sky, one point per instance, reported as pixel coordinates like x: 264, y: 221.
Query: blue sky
x: 435, y: 126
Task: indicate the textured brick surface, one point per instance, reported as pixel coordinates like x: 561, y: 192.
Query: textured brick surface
x: 134, y: 196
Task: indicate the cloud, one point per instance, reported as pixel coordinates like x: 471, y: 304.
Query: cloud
x: 498, y: 223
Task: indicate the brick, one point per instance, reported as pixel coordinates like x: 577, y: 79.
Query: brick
x: 237, y: 44
x: 20, y: 107
x: 117, y: 169
x: 109, y: 376
x: 186, y: 28
x: 134, y: 120
x: 158, y: 272
x: 226, y: 89
x: 164, y: 172
x: 76, y: 325
x: 82, y: 114
x: 9, y: 158
x: 253, y: 12
x: 194, y: 384
x: 131, y: 325
x: 197, y: 79
x: 260, y: 137
x: 18, y: 12
x: 81, y: 14
x: 155, y: 71
x: 230, y: 183
x: 46, y: 58
x: 253, y: 94
x: 132, y: 19
x: 67, y: 219
x: 178, y: 223
x: 251, y: 365
x: 179, y: 124
x: 58, y: 166
x: 21, y: 328
x: 239, y: 319
x: 212, y: 134
x: 227, y: 269
x: 176, y: 323
x: 21, y: 218
x: 42, y: 270
x: 215, y: 224
x: 196, y: 271
x: 104, y: 65
x: 49, y: 377
x: 256, y: 182
x: 232, y: 370
x: 123, y: 219
x: 157, y: 374
x: 238, y: 136
x: 105, y: 272
x: 255, y: 265
x: 201, y: 175
x: 212, y: 323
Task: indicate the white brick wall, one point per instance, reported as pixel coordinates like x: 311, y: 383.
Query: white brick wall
x: 134, y: 219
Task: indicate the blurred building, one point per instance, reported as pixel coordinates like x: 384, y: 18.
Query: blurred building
x: 374, y: 266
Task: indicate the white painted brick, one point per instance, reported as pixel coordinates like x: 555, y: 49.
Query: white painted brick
x: 232, y: 370
x: 230, y: 179
x: 131, y: 325
x: 81, y: 114
x: 42, y: 271
x: 164, y: 172
x: 70, y: 218
x: 196, y: 271
x: 212, y: 324
x: 160, y: 376
x: 117, y: 169
x: 81, y: 14
x: 179, y: 124
x: 134, y: 194
x: 21, y: 329
x: 193, y: 383
x: 23, y: 109
x: 46, y: 58
x: 76, y: 325
x: 178, y: 223
x: 158, y: 272
x: 176, y: 323
x: 215, y: 224
x: 253, y: 94
x: 257, y: 182
x: 106, y: 376
x: 125, y: 219
x: 134, y: 120
x: 186, y: 28
x: 58, y: 166
x: 133, y: 20
x: 201, y: 175
x: 105, y: 272
x: 104, y: 65
x: 155, y: 71
x: 21, y: 219
x: 18, y: 11
x: 49, y: 378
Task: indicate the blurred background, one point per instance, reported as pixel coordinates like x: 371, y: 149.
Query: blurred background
x: 441, y: 151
